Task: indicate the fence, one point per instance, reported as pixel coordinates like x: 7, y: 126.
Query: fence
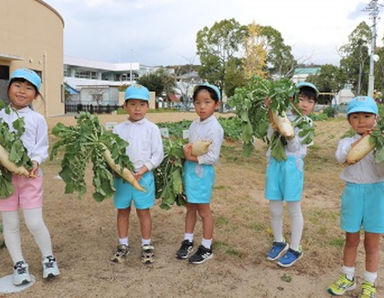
x: 98, y: 109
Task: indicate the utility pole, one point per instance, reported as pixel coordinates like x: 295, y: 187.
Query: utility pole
x: 373, y: 9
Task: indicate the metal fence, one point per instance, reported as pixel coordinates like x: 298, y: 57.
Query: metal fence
x: 98, y: 109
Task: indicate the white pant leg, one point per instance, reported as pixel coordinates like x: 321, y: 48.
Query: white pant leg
x: 297, y: 224
x: 276, y: 210
x: 11, y: 230
x: 35, y: 223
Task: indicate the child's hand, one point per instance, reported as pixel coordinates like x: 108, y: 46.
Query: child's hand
x: 35, y: 169
x: 267, y: 102
x: 140, y: 173
x: 188, y: 151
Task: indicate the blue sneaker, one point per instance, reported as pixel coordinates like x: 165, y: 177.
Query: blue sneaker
x: 290, y: 258
x: 277, y: 250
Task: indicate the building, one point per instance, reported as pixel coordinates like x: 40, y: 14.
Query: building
x: 301, y: 74
x: 32, y: 36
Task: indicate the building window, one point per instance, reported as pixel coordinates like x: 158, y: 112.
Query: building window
x: 85, y: 74
x: 4, y: 72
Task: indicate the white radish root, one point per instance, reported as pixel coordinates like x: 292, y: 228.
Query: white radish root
x: 11, y: 166
x: 283, y: 125
x: 360, y: 150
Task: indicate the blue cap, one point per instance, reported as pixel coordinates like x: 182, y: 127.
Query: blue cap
x: 137, y: 92
x: 27, y: 74
x: 213, y: 87
x: 308, y: 84
x: 362, y: 104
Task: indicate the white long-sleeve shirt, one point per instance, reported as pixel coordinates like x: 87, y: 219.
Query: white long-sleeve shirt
x: 35, y: 136
x: 363, y: 172
x: 207, y: 130
x: 145, y: 145
x: 294, y: 147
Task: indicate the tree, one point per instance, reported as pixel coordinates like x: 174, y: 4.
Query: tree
x: 379, y: 71
x: 329, y: 79
x: 355, y: 57
x: 159, y: 82
x: 280, y: 61
x: 218, y: 49
x: 255, y: 55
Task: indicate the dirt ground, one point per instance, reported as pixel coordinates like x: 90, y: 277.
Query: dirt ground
x: 84, y: 234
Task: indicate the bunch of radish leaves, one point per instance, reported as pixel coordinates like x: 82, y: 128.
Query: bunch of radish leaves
x: 249, y: 103
x: 376, y: 138
x: 84, y: 143
x: 11, y: 142
x: 168, y: 176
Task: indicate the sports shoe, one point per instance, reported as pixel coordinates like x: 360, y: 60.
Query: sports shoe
x: 120, y: 253
x: 184, y: 250
x: 277, y: 250
x: 201, y: 255
x: 21, y: 274
x: 342, y: 285
x: 368, y: 290
x: 290, y: 258
x: 50, y: 268
x: 147, y: 254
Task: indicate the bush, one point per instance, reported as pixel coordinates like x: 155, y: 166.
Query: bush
x: 330, y: 112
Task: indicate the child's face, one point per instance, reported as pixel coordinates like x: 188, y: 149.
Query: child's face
x: 305, y: 104
x: 362, y: 122
x: 21, y: 94
x: 136, y: 109
x: 205, y: 106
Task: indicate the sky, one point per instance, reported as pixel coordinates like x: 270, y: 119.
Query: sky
x: 163, y: 32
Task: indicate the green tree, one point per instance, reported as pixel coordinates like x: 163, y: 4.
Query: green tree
x: 355, y: 61
x: 159, y: 82
x: 218, y: 49
x: 379, y: 71
x: 329, y: 79
x: 280, y: 60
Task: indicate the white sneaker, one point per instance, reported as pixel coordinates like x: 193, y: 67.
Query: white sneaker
x: 21, y: 274
x: 50, y: 268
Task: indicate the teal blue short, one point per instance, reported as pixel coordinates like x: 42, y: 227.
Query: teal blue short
x: 362, y: 205
x: 198, y: 183
x: 284, y: 179
x: 125, y: 193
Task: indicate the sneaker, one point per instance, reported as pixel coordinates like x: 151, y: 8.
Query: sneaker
x: 368, y: 290
x: 289, y: 258
x: 277, y: 250
x: 342, y: 285
x: 201, y: 255
x: 21, y: 274
x: 184, y: 250
x: 50, y: 268
x: 120, y: 253
x: 147, y: 254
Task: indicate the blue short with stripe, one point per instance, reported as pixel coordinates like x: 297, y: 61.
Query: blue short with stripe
x: 284, y: 179
x: 198, y: 181
x: 125, y: 193
x: 362, y: 205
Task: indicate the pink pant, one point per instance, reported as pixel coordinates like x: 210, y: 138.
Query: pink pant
x: 28, y: 194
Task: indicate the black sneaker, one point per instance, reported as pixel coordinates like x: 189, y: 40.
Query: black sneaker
x: 184, y: 250
x: 201, y: 255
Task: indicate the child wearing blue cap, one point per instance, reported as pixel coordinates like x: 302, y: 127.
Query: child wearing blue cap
x: 284, y: 182
x: 145, y: 150
x: 199, y: 173
x: 23, y: 89
x: 362, y: 202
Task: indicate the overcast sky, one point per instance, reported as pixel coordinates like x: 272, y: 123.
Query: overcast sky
x: 163, y: 32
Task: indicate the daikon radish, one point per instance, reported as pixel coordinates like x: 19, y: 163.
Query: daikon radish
x: 283, y: 125
x: 360, y: 150
x: 200, y: 147
x: 11, y: 166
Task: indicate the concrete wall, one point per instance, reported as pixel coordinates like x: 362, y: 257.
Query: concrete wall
x: 32, y: 36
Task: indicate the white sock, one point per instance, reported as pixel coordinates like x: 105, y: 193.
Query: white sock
x: 145, y: 241
x: 12, y: 235
x: 188, y: 236
x: 370, y: 277
x: 276, y: 210
x: 349, y: 272
x: 35, y: 224
x: 207, y: 243
x: 123, y: 241
x: 297, y: 223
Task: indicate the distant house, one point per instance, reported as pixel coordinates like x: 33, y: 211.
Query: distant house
x: 301, y: 74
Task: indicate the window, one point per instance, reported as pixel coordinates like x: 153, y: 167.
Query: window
x: 85, y: 74
x: 4, y: 72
